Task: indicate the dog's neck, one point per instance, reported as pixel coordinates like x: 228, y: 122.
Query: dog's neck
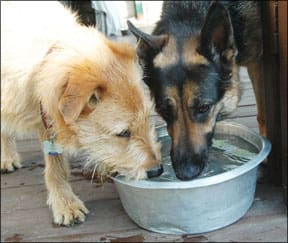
x: 46, y: 124
x: 50, y: 147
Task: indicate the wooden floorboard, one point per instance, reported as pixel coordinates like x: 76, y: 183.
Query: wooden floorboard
x: 24, y: 214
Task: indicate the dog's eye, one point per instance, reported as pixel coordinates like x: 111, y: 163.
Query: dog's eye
x: 93, y: 100
x: 203, y: 108
x: 124, y: 134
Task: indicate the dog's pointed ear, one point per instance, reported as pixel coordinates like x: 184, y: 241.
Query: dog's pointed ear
x: 217, y: 39
x: 79, y: 97
x: 147, y: 42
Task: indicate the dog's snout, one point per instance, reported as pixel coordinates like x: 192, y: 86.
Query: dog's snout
x: 189, y: 166
x: 154, y: 172
x: 189, y: 172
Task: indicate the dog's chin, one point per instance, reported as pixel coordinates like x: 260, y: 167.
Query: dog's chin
x: 104, y: 169
x: 133, y: 175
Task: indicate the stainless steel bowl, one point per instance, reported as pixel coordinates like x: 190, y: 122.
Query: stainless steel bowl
x: 200, y: 205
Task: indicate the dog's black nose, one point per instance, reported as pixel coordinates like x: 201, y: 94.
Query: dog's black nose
x: 188, y: 165
x: 155, y: 172
x: 189, y: 172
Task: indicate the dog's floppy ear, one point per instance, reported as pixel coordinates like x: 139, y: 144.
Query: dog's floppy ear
x: 217, y: 40
x: 81, y: 93
x: 147, y: 42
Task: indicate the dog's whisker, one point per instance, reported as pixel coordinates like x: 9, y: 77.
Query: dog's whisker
x: 95, y: 167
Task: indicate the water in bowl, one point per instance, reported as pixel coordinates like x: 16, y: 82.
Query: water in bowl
x: 227, y: 152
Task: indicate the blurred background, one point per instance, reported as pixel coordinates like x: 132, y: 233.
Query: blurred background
x: 110, y: 16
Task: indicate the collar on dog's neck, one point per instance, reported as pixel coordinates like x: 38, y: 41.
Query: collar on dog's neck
x: 50, y: 147
x: 44, y: 118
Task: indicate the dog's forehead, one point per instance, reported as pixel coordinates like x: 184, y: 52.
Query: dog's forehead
x: 189, y: 92
x: 198, y: 80
x: 114, y: 118
x: 125, y: 102
x: 190, y: 55
x: 185, y: 95
x: 168, y: 56
x: 183, y: 50
x: 179, y: 64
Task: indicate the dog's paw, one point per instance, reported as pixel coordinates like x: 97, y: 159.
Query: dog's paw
x: 8, y: 166
x: 68, y: 214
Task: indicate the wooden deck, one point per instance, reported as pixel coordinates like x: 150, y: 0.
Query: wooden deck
x: 26, y: 217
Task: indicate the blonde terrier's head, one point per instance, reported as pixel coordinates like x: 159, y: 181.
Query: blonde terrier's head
x: 102, y: 110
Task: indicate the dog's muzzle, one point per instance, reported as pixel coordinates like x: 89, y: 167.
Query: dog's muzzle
x: 157, y: 171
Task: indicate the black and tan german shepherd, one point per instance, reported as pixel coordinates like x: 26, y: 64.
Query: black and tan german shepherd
x: 190, y: 64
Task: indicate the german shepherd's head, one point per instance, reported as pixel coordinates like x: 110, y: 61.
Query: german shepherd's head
x: 193, y: 77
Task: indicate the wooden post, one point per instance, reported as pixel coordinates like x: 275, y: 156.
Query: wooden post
x: 274, y: 19
x: 282, y: 30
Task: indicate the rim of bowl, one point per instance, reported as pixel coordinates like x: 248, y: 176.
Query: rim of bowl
x: 211, y: 180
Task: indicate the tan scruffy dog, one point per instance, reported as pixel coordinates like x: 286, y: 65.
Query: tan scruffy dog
x: 80, y: 91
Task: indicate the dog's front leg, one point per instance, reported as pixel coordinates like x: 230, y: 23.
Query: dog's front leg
x: 255, y: 71
x: 67, y: 208
x: 10, y: 159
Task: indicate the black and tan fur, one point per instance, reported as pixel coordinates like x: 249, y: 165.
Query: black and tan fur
x: 191, y: 67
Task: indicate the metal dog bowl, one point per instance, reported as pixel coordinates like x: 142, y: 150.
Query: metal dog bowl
x: 209, y: 202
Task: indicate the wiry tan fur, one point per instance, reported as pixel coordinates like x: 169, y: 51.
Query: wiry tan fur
x: 90, y: 89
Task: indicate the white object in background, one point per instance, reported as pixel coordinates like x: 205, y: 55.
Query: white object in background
x: 113, y: 21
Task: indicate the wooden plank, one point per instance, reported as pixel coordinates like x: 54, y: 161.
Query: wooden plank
x: 265, y: 228
x: 29, y: 157
x: 249, y: 122
x: 245, y: 84
x: 32, y: 174
x: 244, y: 111
x: 244, y: 76
x: 25, y: 197
x: 29, y: 136
x: 132, y: 235
x: 249, y: 92
x: 266, y: 220
x: 247, y: 99
x: 260, y: 229
x: 282, y: 27
x: 31, y: 145
x: 271, y: 86
x: 104, y: 216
